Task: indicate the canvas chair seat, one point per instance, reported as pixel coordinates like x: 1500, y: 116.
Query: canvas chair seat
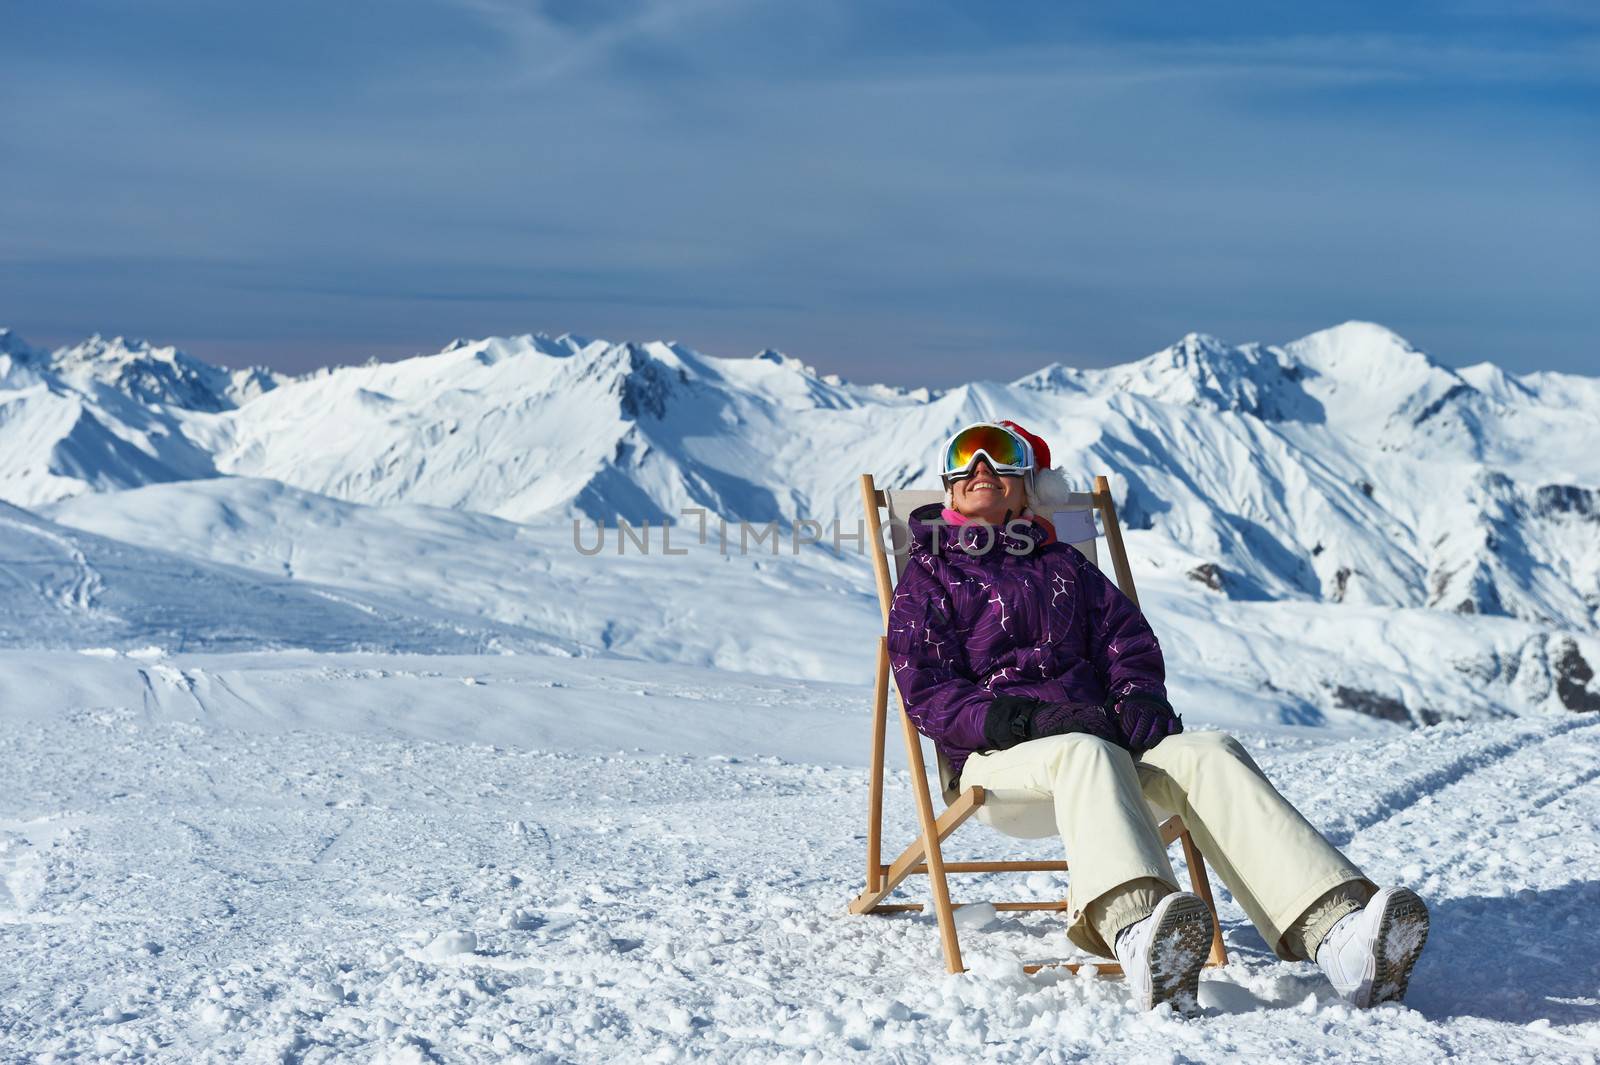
x: 1020, y: 813
x: 1014, y: 812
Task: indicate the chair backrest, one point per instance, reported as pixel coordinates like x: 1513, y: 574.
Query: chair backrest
x: 1074, y: 524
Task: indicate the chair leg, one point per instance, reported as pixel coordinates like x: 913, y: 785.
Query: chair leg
x: 913, y: 860
x: 933, y: 855
x: 1201, y: 881
x: 880, y: 700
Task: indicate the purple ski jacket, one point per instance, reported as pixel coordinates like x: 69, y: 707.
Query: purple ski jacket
x: 1042, y: 623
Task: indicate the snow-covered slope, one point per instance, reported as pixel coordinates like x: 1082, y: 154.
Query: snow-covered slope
x: 1238, y: 662
x: 288, y: 857
x: 62, y: 587
x: 782, y: 615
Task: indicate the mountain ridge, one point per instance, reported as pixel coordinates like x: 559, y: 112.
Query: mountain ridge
x: 1344, y: 466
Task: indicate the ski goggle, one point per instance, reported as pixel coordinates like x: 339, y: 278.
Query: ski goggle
x: 1007, y: 452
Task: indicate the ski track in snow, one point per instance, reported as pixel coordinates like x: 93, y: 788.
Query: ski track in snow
x: 182, y: 889
x: 78, y: 593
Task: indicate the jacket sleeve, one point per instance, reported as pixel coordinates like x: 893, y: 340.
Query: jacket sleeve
x: 1124, y: 649
x: 929, y: 663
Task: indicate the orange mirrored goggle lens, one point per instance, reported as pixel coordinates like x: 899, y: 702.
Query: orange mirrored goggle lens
x: 1005, y: 451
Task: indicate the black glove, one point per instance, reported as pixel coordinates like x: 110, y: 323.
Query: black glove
x: 1012, y: 719
x: 1142, y: 721
x: 1052, y: 719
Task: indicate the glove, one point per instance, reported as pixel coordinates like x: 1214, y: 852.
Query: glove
x: 1053, y: 719
x: 1013, y: 719
x: 1142, y: 721
x: 1006, y: 723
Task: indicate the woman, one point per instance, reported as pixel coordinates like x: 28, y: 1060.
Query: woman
x: 1029, y: 670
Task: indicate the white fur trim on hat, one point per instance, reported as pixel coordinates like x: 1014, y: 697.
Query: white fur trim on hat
x: 1049, y: 487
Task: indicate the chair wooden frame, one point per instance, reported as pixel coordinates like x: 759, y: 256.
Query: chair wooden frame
x: 925, y: 856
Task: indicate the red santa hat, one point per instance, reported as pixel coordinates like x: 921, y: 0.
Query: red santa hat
x: 1041, y: 450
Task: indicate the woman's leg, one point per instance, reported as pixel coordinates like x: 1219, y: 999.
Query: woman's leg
x: 1291, y: 882
x: 1120, y: 868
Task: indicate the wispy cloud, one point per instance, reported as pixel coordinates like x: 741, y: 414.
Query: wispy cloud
x: 1309, y: 59
x: 544, y: 48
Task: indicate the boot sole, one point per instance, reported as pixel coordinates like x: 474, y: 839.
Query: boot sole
x: 1402, y: 932
x: 1178, y: 950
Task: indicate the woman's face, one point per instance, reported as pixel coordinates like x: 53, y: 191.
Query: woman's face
x: 986, y: 496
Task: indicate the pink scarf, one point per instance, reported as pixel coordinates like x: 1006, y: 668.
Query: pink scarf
x: 952, y: 516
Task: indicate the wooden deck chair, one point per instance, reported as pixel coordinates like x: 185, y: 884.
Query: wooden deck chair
x: 1014, y: 813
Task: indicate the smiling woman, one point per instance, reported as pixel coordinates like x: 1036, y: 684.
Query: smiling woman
x: 1032, y: 672
x: 987, y: 496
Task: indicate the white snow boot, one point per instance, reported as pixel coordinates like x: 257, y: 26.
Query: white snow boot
x: 1369, y: 954
x: 1163, y: 954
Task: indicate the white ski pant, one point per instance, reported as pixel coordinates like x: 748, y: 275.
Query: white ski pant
x: 1291, y: 882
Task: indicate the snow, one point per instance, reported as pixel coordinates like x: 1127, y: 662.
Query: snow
x: 62, y: 587
x: 268, y: 865
x: 327, y: 741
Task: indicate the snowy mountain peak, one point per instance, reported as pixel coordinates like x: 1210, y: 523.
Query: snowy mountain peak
x: 106, y: 359
x: 160, y: 375
x: 19, y: 360
x: 791, y: 363
x: 645, y: 380
x: 1056, y: 377
x: 563, y: 346
x: 490, y: 350
x: 572, y: 342
x: 1197, y: 344
x: 252, y: 381
x: 1496, y: 383
x: 21, y: 364
x: 1202, y: 371
x: 1357, y: 350
x: 13, y: 345
x: 1379, y: 386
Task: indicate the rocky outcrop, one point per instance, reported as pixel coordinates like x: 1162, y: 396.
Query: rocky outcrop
x: 1209, y: 574
x: 1384, y: 707
x: 1572, y: 674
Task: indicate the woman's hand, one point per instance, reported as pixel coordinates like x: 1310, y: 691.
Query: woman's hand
x: 1142, y: 721
x: 1053, y: 719
x: 1014, y: 719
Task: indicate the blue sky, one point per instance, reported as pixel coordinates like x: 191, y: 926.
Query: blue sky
x: 909, y: 192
